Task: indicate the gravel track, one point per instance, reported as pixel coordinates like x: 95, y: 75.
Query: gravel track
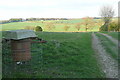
x: 108, y: 64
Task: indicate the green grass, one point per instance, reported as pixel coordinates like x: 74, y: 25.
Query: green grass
x: 18, y: 25
x: 65, y: 55
x: 110, y: 47
x: 113, y: 34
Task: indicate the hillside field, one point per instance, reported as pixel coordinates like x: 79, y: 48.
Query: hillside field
x: 59, y: 24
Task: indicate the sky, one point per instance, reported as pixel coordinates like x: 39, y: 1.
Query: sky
x: 53, y: 8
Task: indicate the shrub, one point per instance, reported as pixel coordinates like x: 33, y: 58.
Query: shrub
x: 113, y: 26
x: 38, y: 28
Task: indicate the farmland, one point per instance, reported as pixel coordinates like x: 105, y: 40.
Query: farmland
x: 50, y: 39
x: 67, y: 53
x: 59, y: 24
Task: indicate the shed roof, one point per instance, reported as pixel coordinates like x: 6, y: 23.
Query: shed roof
x: 19, y: 34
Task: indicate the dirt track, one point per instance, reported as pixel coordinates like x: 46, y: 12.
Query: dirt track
x: 108, y: 64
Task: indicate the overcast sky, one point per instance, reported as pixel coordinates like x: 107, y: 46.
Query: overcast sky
x: 53, y: 8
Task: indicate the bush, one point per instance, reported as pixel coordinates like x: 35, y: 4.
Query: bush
x: 113, y: 26
x: 38, y: 28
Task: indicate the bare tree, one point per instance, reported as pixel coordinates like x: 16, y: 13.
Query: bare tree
x: 88, y: 22
x: 77, y: 26
x: 107, y: 13
x: 66, y: 27
x: 50, y: 26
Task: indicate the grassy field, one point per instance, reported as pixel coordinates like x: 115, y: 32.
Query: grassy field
x: 59, y: 24
x: 65, y: 55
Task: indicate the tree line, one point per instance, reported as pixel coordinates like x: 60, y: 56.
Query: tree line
x: 88, y: 23
x: 12, y: 20
x: 29, y: 19
x: 35, y: 19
